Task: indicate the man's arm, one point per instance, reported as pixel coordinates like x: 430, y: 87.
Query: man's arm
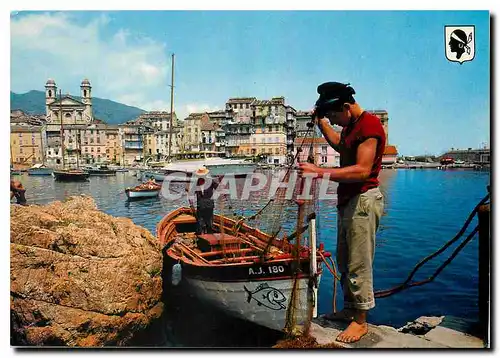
x: 332, y: 137
x: 358, y: 172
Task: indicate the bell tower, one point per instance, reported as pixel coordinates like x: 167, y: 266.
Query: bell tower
x: 50, y: 96
x: 87, y: 100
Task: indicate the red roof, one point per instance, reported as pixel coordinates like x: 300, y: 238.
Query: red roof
x: 390, y: 150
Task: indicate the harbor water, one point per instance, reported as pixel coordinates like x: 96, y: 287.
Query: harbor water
x: 424, y: 209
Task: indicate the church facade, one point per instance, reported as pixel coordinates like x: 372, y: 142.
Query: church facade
x: 67, y: 117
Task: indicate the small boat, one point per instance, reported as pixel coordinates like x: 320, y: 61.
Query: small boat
x: 239, y: 269
x: 149, y: 189
x: 40, y: 169
x: 447, y: 161
x: 15, y: 172
x: 101, y: 170
x: 157, y: 175
x: 70, y: 175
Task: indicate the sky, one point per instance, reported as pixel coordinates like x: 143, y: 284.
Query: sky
x: 395, y: 60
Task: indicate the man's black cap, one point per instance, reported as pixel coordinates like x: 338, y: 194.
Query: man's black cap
x: 332, y: 92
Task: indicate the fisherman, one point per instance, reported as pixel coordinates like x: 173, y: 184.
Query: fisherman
x: 17, y: 190
x: 204, y: 201
x: 360, y: 203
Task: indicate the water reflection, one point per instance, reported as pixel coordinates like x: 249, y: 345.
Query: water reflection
x: 424, y: 209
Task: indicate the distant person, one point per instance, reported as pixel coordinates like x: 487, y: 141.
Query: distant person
x: 459, y: 43
x: 17, y: 190
x: 359, y: 201
x: 204, y: 201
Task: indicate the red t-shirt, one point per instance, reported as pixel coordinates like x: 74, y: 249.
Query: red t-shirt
x: 366, y: 126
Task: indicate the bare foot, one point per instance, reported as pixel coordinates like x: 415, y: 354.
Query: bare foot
x: 353, y: 333
x: 345, y: 315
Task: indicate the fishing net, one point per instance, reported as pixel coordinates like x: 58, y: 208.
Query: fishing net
x: 278, y: 203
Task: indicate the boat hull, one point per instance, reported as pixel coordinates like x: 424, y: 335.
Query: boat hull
x: 239, y: 281
x: 102, y: 172
x: 254, y: 300
x: 70, y: 177
x: 41, y: 171
x: 142, y: 194
x: 156, y: 176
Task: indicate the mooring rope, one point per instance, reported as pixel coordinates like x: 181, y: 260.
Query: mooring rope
x: 406, y: 284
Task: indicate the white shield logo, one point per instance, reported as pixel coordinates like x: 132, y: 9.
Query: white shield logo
x: 460, y: 43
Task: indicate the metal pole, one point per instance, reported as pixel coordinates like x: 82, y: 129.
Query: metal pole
x: 313, y: 263
x: 171, y: 108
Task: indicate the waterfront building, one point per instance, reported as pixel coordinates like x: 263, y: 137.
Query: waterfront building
x: 237, y: 138
x: 192, y: 131
x: 301, y: 129
x: 384, y: 119
x: 131, y: 135
x: 159, y: 120
x: 208, y: 130
x: 26, y: 144
x: 240, y: 109
x: 75, y: 116
x: 113, y: 144
x: 220, y: 118
x: 90, y: 142
x: 258, y: 128
x: 290, y: 130
x: 469, y: 155
x: 390, y: 155
x: 324, y: 154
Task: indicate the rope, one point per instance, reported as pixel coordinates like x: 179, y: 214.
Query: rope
x: 405, y: 284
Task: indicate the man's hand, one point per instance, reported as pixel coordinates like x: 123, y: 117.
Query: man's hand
x: 308, y: 168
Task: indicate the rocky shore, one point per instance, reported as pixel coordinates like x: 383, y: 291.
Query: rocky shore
x: 80, y: 277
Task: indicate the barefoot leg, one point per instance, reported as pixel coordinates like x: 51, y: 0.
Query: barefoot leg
x: 356, y: 329
x: 346, y: 315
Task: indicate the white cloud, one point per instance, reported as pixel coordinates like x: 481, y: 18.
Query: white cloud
x: 120, y: 66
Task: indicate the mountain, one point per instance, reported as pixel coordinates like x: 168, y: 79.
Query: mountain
x: 33, y: 102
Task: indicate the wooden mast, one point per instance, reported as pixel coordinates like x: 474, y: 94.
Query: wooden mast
x: 62, y: 128
x: 171, y: 109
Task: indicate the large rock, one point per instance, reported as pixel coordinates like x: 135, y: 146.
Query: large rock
x: 80, y: 277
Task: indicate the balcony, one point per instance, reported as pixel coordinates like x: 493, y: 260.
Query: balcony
x: 133, y: 145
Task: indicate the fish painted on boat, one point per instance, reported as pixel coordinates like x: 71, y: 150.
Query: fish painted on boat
x: 267, y: 296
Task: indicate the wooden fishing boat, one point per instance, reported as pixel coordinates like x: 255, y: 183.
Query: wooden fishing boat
x: 101, y: 170
x: 40, y: 169
x: 240, y: 269
x: 149, y: 189
x: 70, y: 175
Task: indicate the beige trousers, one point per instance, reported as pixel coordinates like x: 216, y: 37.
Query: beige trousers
x: 358, y: 221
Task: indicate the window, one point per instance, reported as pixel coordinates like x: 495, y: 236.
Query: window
x: 86, y: 149
x: 324, y: 159
x: 67, y: 115
x: 50, y: 93
x: 84, y: 93
x: 324, y: 149
x: 92, y: 149
x: 20, y: 150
